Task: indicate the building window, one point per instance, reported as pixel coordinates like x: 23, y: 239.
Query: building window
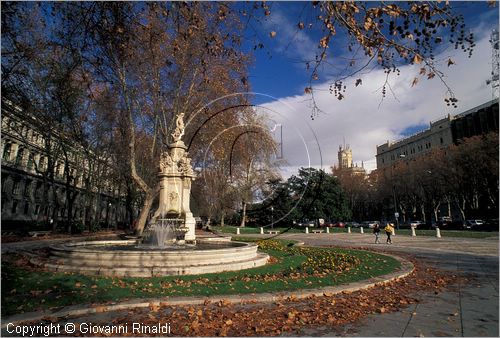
x: 4, y: 185
x: 41, y: 163
x: 27, y: 188
x: 441, y: 140
x: 39, y: 190
x: 19, y: 157
x: 14, y: 206
x: 26, y: 208
x: 37, y: 209
x: 7, y: 152
x: 31, y: 162
x: 16, y: 187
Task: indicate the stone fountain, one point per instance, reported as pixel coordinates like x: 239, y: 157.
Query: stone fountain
x: 170, y: 246
x: 173, y: 220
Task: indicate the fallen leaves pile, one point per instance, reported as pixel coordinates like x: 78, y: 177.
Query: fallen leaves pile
x: 289, y: 314
x: 318, y: 260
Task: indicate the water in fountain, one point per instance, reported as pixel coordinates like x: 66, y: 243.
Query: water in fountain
x: 164, y: 233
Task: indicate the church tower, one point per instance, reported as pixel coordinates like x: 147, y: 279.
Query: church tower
x: 345, y: 157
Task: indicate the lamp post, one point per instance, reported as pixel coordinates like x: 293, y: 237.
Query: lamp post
x: 272, y: 217
x: 396, y: 213
x: 108, y: 205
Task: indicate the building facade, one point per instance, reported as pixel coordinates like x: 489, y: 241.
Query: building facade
x: 441, y: 134
x: 33, y: 196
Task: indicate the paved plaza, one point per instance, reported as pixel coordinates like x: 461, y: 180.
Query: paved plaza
x: 462, y: 310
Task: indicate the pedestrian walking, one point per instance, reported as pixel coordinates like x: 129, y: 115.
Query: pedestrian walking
x: 388, y: 231
x: 376, y: 231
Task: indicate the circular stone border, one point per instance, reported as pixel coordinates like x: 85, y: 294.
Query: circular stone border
x: 87, y: 259
x: 79, y: 310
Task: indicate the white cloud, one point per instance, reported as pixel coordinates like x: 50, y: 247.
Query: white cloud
x: 364, y: 122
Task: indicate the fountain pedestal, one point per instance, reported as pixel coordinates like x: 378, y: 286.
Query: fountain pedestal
x: 176, y: 175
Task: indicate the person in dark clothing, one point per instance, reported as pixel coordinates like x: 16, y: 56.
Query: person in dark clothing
x: 376, y: 231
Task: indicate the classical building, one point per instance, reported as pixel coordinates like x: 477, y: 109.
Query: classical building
x: 30, y: 194
x: 441, y: 133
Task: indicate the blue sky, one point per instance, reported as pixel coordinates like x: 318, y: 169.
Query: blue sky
x: 362, y: 119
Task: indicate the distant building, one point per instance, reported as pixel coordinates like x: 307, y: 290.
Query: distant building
x: 441, y: 133
x: 345, y: 157
x: 346, y: 163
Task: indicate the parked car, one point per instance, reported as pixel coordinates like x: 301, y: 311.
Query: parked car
x: 491, y: 225
x: 340, y: 225
x: 306, y: 224
x: 447, y: 224
x: 412, y: 224
x: 473, y: 224
x: 353, y: 224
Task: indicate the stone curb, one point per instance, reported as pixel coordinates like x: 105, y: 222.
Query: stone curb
x: 78, y: 310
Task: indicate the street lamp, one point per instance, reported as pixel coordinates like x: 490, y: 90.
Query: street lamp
x: 396, y: 213
x: 107, y: 214
x: 272, y: 217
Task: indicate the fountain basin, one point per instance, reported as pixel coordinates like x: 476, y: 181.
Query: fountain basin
x: 128, y: 259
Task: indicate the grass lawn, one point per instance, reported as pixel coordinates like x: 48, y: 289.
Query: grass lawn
x: 291, y: 268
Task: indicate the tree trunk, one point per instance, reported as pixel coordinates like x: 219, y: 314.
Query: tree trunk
x: 436, y: 205
x: 143, y: 215
x: 222, y: 218
x: 243, y: 215
x: 461, y: 207
x: 129, y: 206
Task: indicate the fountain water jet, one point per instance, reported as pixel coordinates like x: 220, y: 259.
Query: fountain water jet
x: 165, y: 232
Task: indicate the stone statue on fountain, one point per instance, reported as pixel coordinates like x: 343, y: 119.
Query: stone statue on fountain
x: 176, y: 175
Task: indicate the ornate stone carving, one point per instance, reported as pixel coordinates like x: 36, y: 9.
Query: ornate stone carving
x: 185, y: 167
x: 179, y: 130
x: 166, y: 162
x: 173, y: 197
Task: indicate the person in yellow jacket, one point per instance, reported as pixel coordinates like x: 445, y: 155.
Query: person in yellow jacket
x: 388, y: 231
